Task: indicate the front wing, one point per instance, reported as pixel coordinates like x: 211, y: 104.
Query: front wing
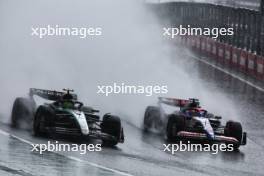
x: 77, y: 132
x: 217, y: 138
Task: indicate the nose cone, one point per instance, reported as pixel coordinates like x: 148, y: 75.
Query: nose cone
x: 209, y: 130
x: 80, y: 118
x: 210, y: 135
x: 207, y: 127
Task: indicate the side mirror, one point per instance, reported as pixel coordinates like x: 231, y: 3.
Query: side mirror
x: 218, y: 117
x: 94, y: 110
x: 88, y: 109
x: 210, y: 115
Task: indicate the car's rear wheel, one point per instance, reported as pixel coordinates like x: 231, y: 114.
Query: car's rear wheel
x: 174, y: 125
x: 39, y: 123
x: 152, y: 118
x: 234, y: 129
x: 112, y: 125
x: 23, y: 113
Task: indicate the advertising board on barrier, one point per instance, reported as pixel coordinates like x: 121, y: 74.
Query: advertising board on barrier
x: 221, y: 52
x: 252, y: 61
x: 228, y: 54
x: 260, y: 67
x: 243, y: 61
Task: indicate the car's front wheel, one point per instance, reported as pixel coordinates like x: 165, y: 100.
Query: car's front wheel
x: 234, y: 129
x: 174, y: 125
x: 111, y: 125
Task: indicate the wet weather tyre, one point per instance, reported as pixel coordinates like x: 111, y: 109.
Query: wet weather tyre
x: 152, y: 118
x: 38, y: 119
x: 174, y: 125
x: 36, y: 127
x: 234, y: 129
x: 23, y: 112
x: 111, y: 125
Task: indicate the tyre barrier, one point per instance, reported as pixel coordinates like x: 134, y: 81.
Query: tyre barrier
x: 193, y: 41
x: 260, y: 67
x: 197, y: 43
x: 243, y: 61
x: 237, y: 58
x: 209, y: 46
x: 214, y: 49
x: 235, y: 55
x: 220, y: 52
x: 184, y: 40
x: 189, y: 41
x: 228, y: 54
x: 203, y: 45
x: 252, y: 64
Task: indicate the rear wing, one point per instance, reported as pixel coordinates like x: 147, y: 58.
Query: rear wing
x: 48, y: 94
x: 173, y: 101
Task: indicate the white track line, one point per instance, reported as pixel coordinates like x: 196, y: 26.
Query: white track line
x: 69, y: 157
x: 229, y: 73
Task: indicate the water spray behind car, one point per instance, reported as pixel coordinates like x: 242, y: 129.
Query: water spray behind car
x: 131, y: 50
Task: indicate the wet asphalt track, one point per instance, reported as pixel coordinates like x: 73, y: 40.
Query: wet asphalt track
x: 142, y: 154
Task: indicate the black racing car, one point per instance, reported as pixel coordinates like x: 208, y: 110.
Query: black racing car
x: 65, y: 115
x: 190, y: 121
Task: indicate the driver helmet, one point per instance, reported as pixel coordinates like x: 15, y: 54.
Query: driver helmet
x: 194, y: 103
x: 68, y: 105
x: 67, y: 96
x: 67, y: 101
